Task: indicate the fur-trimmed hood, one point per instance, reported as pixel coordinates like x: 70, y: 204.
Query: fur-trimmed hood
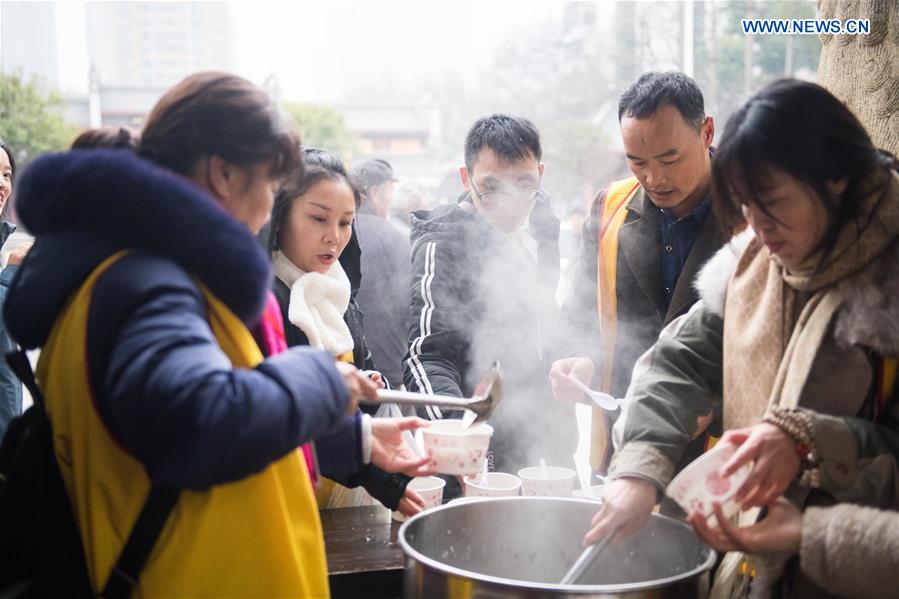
x: 711, y: 282
x: 869, y: 315
x: 84, y: 205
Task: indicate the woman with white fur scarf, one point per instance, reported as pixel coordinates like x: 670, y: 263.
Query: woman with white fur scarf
x: 315, y: 258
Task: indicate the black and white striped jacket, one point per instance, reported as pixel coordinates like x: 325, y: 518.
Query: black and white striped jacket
x: 478, y: 295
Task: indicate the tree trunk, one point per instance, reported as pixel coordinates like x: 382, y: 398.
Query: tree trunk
x: 863, y: 70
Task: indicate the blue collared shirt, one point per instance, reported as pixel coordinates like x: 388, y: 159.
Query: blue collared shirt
x: 677, y: 241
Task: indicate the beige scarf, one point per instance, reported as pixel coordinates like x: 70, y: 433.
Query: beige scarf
x: 776, y: 320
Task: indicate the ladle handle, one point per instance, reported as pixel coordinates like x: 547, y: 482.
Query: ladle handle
x: 409, y: 398
x: 586, y: 559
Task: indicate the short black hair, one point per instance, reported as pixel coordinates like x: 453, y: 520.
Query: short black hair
x: 655, y: 90
x: 511, y: 137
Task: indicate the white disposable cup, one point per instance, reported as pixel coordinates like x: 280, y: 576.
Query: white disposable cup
x: 431, y: 490
x: 699, y: 484
x: 547, y: 481
x: 499, y: 484
x: 454, y: 449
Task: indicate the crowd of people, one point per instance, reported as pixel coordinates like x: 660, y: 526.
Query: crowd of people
x: 212, y: 300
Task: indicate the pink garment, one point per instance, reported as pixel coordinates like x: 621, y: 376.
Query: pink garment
x: 271, y: 330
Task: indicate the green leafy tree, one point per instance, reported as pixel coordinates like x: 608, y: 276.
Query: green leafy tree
x: 31, y: 120
x: 580, y: 159
x: 731, y: 65
x: 323, y: 127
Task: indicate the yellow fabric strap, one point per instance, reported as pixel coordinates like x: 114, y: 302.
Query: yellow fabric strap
x: 618, y: 195
x: 256, y: 537
x: 612, y: 214
x: 327, y: 488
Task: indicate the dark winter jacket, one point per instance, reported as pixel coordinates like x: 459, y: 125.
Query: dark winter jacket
x: 161, y: 384
x: 642, y: 308
x: 479, y: 296
x: 384, y: 293
x: 331, y: 449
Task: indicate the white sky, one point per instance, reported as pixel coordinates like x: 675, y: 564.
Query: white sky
x: 321, y: 50
x: 71, y: 46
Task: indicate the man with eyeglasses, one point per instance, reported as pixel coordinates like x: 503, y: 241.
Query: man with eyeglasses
x: 485, y: 270
x: 643, y: 245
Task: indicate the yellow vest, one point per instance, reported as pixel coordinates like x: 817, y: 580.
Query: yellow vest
x: 257, y: 537
x: 612, y: 213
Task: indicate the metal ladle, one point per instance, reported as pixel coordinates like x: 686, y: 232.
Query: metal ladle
x: 586, y: 559
x: 486, y: 398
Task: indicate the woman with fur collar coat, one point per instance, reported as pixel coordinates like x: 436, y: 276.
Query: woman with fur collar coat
x: 142, y: 290
x: 801, y: 312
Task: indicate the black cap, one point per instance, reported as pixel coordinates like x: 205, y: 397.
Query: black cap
x: 372, y: 172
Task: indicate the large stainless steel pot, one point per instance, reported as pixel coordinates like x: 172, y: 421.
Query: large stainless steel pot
x: 522, y: 546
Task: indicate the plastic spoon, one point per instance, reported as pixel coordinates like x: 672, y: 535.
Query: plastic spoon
x: 603, y: 400
x: 484, y: 476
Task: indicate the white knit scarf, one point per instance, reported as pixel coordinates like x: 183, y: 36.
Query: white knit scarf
x: 317, y: 303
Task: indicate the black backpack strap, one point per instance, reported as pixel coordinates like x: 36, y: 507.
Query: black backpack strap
x: 152, y: 519
x: 149, y: 524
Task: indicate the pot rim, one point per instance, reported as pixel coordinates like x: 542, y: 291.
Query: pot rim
x: 545, y: 586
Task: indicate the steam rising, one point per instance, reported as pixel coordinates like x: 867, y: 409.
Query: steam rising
x: 515, y: 320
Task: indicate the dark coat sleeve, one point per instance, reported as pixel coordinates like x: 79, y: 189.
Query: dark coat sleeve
x: 385, y: 487
x: 439, y: 318
x: 580, y: 321
x: 171, y: 396
x: 340, y: 459
x: 681, y: 383
x: 339, y: 452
